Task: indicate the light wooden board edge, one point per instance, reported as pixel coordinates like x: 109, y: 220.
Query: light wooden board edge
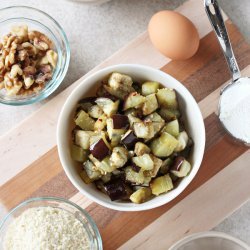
x: 191, y: 215
x: 34, y: 142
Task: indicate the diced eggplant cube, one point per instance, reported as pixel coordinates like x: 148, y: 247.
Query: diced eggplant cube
x: 157, y: 166
x: 150, y: 88
x: 129, y: 139
x: 145, y: 162
x: 181, y: 167
x: 117, y: 189
x: 119, y: 157
x: 100, y: 123
x: 114, y: 134
x: 85, y: 177
x: 150, y: 104
x: 143, y: 129
x: 120, y: 121
x: 135, y: 167
x: 141, y: 148
x: 165, y: 166
x: 182, y: 141
x: 169, y: 114
x: 167, y: 98
x: 164, y: 145
x: 78, y: 154
x: 117, y: 79
x: 103, y: 166
x: 99, y: 150
x: 91, y: 170
x: 84, y: 121
x: 133, y: 100
x: 95, y: 111
x: 161, y: 185
x: 132, y: 119
x: 172, y: 128
x: 108, y: 106
x: 136, y: 178
x: 82, y: 138
x: 141, y: 195
x: 117, y: 93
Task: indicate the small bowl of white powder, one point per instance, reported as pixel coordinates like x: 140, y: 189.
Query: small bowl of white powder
x: 49, y: 223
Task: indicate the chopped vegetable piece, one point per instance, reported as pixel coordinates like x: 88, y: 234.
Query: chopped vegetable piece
x: 129, y: 139
x: 143, y: 129
x: 99, y: 150
x: 134, y: 112
x: 181, y: 167
x: 182, y: 141
x: 117, y: 79
x: 117, y: 189
x: 119, y: 157
x: 135, y: 167
x: 108, y: 106
x: 141, y: 195
x: 84, y: 121
x: 86, y: 103
x: 117, y: 93
x: 157, y: 166
x: 78, y: 154
x: 150, y: 104
x: 141, y: 148
x: 100, y: 123
x: 167, y: 98
x: 136, y: 178
x: 150, y: 88
x: 154, y: 117
x: 102, y: 92
x: 145, y: 162
x: 103, y: 166
x: 91, y: 170
x: 132, y: 119
x: 169, y: 114
x: 161, y: 185
x: 134, y: 99
x: 82, y: 138
x: 85, y: 177
x: 114, y: 134
x: 164, y: 145
x: 172, y: 128
x: 120, y: 121
x: 166, y: 164
x: 95, y: 111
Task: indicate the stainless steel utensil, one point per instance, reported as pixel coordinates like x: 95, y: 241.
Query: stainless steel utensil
x: 216, y: 20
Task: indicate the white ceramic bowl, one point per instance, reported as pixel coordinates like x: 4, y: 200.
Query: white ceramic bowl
x: 208, y: 241
x: 190, y: 111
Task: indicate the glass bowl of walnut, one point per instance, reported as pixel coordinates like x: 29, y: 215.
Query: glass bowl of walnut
x: 34, y: 55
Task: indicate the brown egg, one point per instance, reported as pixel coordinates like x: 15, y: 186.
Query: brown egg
x: 174, y: 35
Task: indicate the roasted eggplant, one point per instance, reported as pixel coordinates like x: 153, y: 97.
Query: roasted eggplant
x: 131, y: 140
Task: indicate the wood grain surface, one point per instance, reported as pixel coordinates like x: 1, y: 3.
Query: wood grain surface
x: 211, y: 196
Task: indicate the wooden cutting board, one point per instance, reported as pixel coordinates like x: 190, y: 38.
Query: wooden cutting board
x: 30, y: 165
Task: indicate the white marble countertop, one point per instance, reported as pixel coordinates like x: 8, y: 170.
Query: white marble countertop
x: 103, y: 29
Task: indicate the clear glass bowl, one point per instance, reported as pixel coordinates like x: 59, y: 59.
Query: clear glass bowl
x: 78, y: 212
x: 37, y: 20
x: 208, y: 241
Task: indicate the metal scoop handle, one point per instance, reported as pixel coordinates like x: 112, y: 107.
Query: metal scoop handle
x: 219, y: 27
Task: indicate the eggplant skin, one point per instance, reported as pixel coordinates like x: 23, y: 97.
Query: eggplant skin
x: 117, y: 189
x: 99, y: 150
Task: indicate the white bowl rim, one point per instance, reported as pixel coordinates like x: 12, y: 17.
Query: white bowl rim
x: 205, y: 234
x: 122, y: 206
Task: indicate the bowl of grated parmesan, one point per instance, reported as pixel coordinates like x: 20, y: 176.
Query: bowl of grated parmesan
x: 49, y: 223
